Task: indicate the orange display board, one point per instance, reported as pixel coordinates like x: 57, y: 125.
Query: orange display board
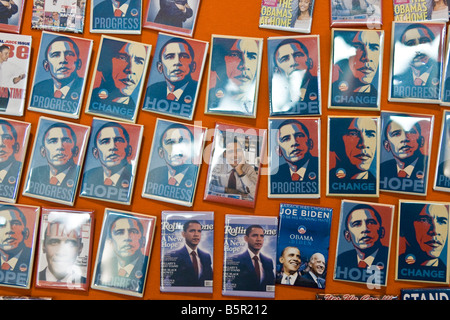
x: 234, y: 18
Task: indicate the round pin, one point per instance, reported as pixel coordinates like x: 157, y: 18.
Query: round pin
x: 343, y: 86
x: 74, y: 96
x: 340, y: 173
x: 70, y: 183
x: 125, y: 184
x: 410, y: 259
x: 301, y: 229
x: 188, y: 99
x: 219, y: 94
x: 189, y: 184
x: 103, y: 94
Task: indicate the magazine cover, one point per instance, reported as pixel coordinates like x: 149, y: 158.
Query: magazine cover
x: 65, y: 244
x: 15, y: 51
x: 356, y: 68
x: 364, y: 242
x: 109, y: 173
x: 417, y: 59
x: 119, y: 16
x: 294, y: 16
x: 303, y: 243
x: 422, y: 245
x: 17, y: 244
x: 56, y: 161
x: 117, y: 83
x: 174, y: 162
x: 187, y: 251
x: 124, y: 251
x: 235, y: 165
x: 294, y: 75
x: 406, y: 139
x: 424, y: 10
x: 60, y: 75
x: 250, y: 248
x: 59, y: 15
x: 294, y: 158
x: 175, y: 76
x: 14, y: 137
x: 233, y: 76
x: 348, y: 13
x: 442, y: 178
x: 174, y: 16
x: 11, y: 15
x: 353, y: 156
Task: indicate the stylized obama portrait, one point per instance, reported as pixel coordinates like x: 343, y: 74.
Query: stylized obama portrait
x: 17, y: 228
x: 109, y: 170
x: 442, y: 179
x: 116, y: 89
x: 364, y: 247
x: 356, y: 67
x: 294, y: 169
x: 423, y: 242
x: 116, y: 16
x: 171, y: 88
x: 417, y: 65
x: 56, y: 161
x: 173, y: 164
x: 404, y: 156
x: 353, y: 156
x: 64, y: 69
x: 124, y: 249
x: 234, y: 76
x: 13, y: 142
x: 294, y: 89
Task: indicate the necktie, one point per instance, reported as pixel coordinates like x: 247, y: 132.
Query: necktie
x: 108, y: 182
x: 58, y: 94
x: 171, y: 96
x: 122, y: 272
x: 5, y: 266
x: 172, y: 181
x: 232, y: 180
x: 257, y: 269
x: 117, y: 13
x: 195, y: 262
x: 295, y: 177
x: 362, y: 264
x: 418, y: 82
x: 54, y: 181
x: 319, y: 284
x: 288, y: 280
x: 402, y: 174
